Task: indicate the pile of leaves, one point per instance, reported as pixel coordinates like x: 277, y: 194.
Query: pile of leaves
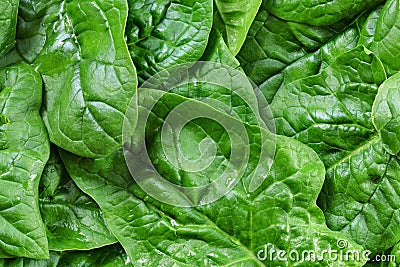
x: 328, y: 69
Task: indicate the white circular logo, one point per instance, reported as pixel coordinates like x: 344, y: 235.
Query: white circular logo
x: 174, y: 108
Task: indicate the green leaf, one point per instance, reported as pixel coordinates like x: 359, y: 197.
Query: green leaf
x: 24, y: 150
x: 317, y: 13
x: 230, y: 231
x: 233, y: 18
x: 325, y: 100
x: 4, y: 121
x: 72, y: 219
x: 163, y: 33
x: 218, y: 51
x: 8, y: 24
x: 278, y: 51
x: 396, y: 253
x: 331, y: 111
x: 110, y: 256
x: 383, y: 34
x: 88, y: 75
x: 360, y: 196
x: 386, y: 114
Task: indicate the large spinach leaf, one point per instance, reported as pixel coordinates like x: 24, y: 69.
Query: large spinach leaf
x: 110, y: 256
x: 231, y: 231
x: 163, y: 33
x: 86, y: 68
x: 331, y: 111
x: 277, y: 51
x: 325, y: 101
x: 72, y: 219
x: 8, y: 24
x: 24, y: 150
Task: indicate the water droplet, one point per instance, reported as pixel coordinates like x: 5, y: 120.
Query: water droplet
x: 174, y: 223
x: 191, y: 253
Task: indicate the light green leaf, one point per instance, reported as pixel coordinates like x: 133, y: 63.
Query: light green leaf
x: 218, y: 51
x: 233, y: 18
x: 396, y: 253
x: 88, y: 75
x: 386, y: 114
x: 24, y: 150
x: 382, y: 34
x: 72, y: 219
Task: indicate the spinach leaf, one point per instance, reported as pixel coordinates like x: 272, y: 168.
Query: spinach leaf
x: 24, y: 150
x: 381, y: 35
x: 360, y: 196
x: 325, y: 101
x: 72, y: 219
x: 110, y: 256
x: 314, y: 12
x: 231, y: 231
x: 395, y: 252
x: 8, y: 24
x: 331, y: 111
x: 233, y: 19
x: 386, y: 114
x: 163, y: 33
x: 87, y: 72
x: 218, y: 51
x: 277, y: 51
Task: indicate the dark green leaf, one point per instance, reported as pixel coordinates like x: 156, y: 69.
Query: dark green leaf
x: 8, y: 24
x: 163, y: 33
x: 231, y: 231
x: 73, y: 220
x: 331, y: 111
x: 110, y: 256
x: 317, y: 13
x: 277, y: 51
x: 325, y: 100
